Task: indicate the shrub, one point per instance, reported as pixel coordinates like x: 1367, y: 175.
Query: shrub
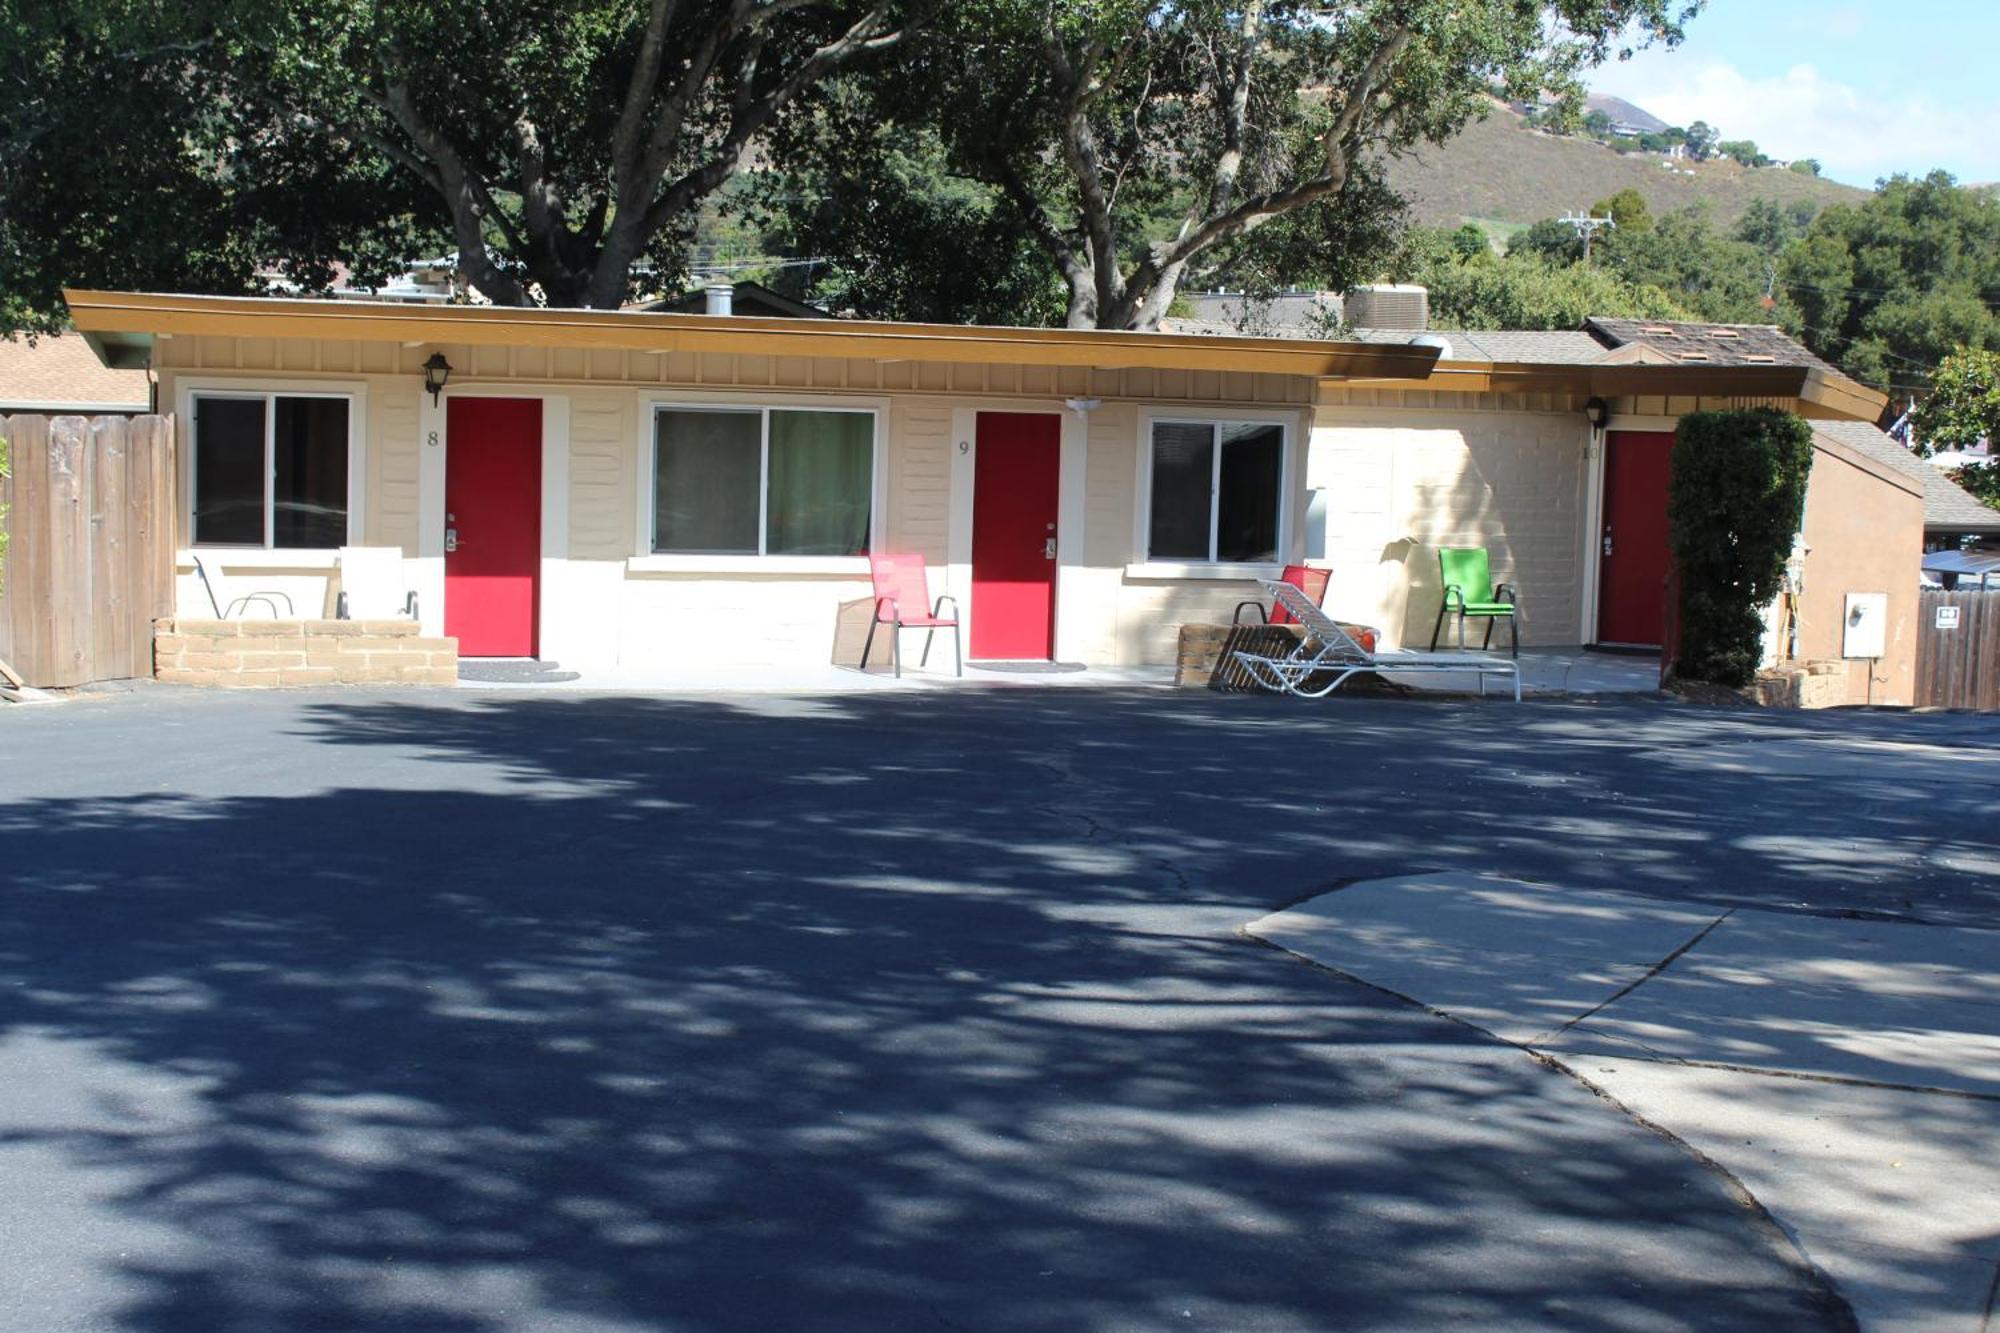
x: 1737, y: 495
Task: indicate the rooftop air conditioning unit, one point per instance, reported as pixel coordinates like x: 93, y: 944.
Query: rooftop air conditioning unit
x: 1386, y: 305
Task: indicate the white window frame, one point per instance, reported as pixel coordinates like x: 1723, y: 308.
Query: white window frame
x: 1142, y: 527
x: 186, y: 392
x: 647, y: 559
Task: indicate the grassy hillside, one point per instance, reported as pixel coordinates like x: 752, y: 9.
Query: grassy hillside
x: 1500, y: 172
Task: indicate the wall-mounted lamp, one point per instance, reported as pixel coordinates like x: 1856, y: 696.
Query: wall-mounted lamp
x: 1597, y: 412
x: 436, y: 371
x: 1083, y: 404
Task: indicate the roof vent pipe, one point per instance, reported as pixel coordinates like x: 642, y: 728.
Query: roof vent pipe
x: 721, y: 299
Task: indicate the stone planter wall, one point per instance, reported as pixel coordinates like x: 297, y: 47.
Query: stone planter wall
x: 300, y: 652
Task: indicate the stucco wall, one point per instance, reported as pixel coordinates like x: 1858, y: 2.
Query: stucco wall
x: 1399, y: 483
x: 1864, y: 532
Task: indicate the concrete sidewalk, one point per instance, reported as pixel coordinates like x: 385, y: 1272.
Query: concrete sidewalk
x: 1847, y: 1072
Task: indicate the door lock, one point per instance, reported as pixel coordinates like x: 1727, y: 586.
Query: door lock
x: 450, y: 540
x: 1607, y: 543
x: 1049, y: 549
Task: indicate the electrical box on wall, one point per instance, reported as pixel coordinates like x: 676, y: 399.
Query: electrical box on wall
x: 1866, y: 630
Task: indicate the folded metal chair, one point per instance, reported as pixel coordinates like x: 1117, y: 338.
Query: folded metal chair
x: 1325, y: 649
x: 373, y: 585
x: 1312, y: 582
x: 902, y: 594
x: 236, y: 607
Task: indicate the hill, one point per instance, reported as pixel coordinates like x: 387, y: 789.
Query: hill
x: 1624, y: 112
x: 1502, y: 173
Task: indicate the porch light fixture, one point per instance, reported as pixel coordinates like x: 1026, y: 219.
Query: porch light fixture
x: 436, y: 371
x: 1598, y: 412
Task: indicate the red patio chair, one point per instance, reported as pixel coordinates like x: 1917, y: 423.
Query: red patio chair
x: 900, y: 582
x: 1312, y: 582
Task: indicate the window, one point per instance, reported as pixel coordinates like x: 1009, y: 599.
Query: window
x: 1216, y: 490
x: 270, y: 470
x: 762, y: 481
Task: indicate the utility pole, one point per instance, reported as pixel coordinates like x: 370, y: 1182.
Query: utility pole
x: 1587, y: 226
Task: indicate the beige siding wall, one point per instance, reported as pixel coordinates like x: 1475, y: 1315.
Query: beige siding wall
x: 604, y: 468
x: 919, y: 516
x: 1399, y: 483
x: 392, y: 460
x: 1402, y: 473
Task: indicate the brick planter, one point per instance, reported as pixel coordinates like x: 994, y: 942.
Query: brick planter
x: 300, y: 652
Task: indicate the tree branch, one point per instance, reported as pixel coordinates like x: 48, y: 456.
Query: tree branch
x: 464, y: 194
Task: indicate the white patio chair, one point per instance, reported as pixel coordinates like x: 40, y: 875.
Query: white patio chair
x: 1327, y: 649
x: 373, y: 586
x: 227, y: 607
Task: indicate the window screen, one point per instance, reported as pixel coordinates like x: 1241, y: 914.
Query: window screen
x: 229, y: 471
x: 706, y: 481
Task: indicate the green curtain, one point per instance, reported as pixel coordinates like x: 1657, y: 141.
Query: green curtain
x: 821, y: 482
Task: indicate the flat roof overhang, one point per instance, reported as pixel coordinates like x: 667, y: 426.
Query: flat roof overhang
x: 1818, y: 393
x: 120, y: 326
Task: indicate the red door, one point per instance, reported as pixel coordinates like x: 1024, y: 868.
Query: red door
x: 493, y: 524
x: 1015, y: 481
x: 1632, y: 560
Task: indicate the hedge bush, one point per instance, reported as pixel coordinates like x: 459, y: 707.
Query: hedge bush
x: 1737, y: 496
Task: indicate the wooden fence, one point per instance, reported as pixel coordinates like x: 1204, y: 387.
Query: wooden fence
x: 1958, y: 664
x: 90, y: 554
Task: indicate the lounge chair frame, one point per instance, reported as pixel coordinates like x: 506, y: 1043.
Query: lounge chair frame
x: 238, y: 606
x: 1325, y: 649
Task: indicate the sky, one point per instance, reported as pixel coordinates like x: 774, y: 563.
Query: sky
x: 1869, y: 87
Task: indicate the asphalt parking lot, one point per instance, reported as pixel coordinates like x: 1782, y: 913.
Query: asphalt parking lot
x: 468, y: 1011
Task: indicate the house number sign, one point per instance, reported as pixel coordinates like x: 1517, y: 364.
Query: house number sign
x: 1947, y: 617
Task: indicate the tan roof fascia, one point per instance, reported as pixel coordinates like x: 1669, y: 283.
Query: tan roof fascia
x: 1817, y: 393
x: 112, y: 319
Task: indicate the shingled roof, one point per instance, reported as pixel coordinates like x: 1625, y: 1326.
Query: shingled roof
x: 1562, y: 347
x: 1948, y: 507
x: 1686, y: 341
x: 59, y: 373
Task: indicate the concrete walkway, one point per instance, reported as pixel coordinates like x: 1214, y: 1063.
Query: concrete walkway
x: 1548, y: 671
x: 1846, y: 1071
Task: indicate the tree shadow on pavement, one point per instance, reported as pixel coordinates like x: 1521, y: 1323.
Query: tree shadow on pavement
x: 478, y: 1013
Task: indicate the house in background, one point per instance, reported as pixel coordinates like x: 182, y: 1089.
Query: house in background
x: 58, y: 373
x: 628, y: 488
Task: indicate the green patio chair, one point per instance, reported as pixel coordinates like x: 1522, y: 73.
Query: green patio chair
x: 1469, y: 591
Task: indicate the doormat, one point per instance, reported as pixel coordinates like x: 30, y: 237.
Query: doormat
x: 512, y: 671
x: 1027, y: 668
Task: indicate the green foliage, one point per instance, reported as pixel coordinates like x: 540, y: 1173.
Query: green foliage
x: 1702, y: 141
x: 1888, y: 288
x: 1735, y: 502
x: 1678, y: 261
x: 1743, y: 151
x: 1523, y: 290
x: 1983, y: 481
x: 1771, y: 226
x: 1627, y: 211
x: 906, y: 239
x: 559, y: 146
x: 1805, y: 166
x: 1145, y: 142
x: 1469, y: 242
x: 1963, y: 405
